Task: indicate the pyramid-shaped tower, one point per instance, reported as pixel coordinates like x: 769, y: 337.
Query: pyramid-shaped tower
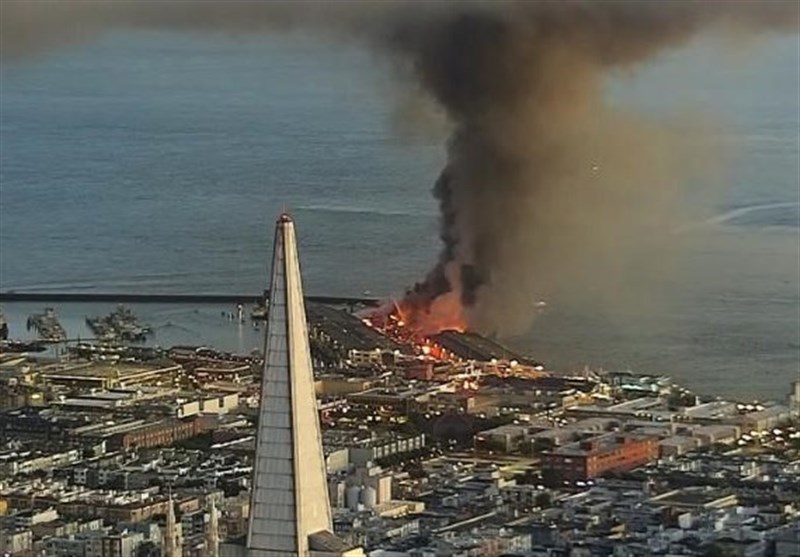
x: 172, y: 543
x: 289, y: 500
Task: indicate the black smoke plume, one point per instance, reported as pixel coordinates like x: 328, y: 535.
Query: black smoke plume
x: 548, y: 191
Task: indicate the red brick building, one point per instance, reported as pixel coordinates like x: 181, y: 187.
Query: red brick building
x: 160, y: 434
x: 593, y: 457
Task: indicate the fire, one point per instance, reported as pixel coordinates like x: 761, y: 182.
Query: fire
x: 430, y: 307
x: 441, y: 314
x: 413, y: 319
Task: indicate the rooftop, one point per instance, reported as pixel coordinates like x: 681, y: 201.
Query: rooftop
x: 692, y: 497
x: 599, y: 445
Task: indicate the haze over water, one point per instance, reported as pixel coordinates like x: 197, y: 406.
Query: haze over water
x: 150, y: 162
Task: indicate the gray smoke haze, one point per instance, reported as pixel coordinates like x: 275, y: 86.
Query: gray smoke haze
x: 548, y: 191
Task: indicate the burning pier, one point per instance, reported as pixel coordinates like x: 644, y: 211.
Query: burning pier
x: 473, y: 346
x: 439, y: 333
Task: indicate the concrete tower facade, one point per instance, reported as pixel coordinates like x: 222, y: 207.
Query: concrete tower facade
x: 290, y: 513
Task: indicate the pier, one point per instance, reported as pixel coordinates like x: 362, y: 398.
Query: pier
x: 130, y: 298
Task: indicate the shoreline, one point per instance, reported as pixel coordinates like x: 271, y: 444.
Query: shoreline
x: 209, y: 324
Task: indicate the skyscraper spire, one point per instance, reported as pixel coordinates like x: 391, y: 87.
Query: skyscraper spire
x: 290, y: 514
x: 212, y: 535
x: 289, y: 501
x: 171, y: 545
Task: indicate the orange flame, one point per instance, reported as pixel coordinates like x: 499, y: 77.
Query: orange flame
x: 441, y: 314
x: 413, y: 319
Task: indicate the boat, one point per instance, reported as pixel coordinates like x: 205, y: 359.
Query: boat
x: 259, y: 312
x: 3, y: 327
x: 47, y: 326
x: 120, y: 324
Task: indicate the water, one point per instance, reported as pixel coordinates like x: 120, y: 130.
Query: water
x: 150, y: 162
x: 172, y: 324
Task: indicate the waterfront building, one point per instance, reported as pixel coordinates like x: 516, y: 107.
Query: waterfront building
x: 595, y: 456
